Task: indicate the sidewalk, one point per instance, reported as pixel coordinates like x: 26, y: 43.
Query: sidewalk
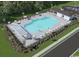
x: 57, y: 43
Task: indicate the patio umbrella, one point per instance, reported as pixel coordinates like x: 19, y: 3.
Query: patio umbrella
x: 24, y: 17
x: 37, y: 13
x: 9, y: 22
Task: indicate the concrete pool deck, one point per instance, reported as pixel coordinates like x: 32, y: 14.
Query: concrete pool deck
x: 62, y: 22
x: 18, y: 29
x: 57, y: 43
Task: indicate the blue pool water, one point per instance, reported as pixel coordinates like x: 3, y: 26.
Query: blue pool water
x: 40, y: 24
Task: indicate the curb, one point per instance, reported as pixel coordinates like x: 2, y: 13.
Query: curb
x: 72, y: 55
x: 55, y: 44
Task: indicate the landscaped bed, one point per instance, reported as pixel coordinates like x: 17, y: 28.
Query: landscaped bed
x: 7, y: 50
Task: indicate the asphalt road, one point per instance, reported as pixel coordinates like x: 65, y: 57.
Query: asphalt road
x: 66, y: 48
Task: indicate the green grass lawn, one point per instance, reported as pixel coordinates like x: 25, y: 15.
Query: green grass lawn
x: 5, y: 46
x: 73, y: 3
x: 76, y: 53
x: 7, y: 50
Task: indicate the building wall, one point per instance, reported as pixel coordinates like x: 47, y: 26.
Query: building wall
x: 64, y: 16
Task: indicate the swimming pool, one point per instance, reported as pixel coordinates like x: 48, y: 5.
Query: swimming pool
x: 41, y: 24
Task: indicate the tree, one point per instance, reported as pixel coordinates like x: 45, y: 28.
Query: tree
x: 16, y: 8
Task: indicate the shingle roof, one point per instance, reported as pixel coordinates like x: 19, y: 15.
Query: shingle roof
x: 74, y: 9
